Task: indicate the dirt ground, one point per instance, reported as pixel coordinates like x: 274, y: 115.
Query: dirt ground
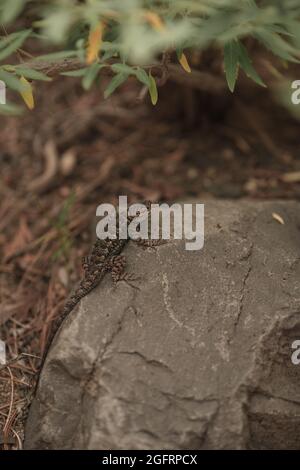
x: 75, y: 151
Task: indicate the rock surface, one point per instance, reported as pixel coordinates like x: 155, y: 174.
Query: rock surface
x: 198, y: 357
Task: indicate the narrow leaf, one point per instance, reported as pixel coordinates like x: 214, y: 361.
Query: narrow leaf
x: 231, y: 61
x: 11, y: 81
x: 279, y: 46
x: 94, y: 43
x: 246, y: 64
x: 123, y: 68
x: 27, y: 94
x: 11, y: 10
x: 184, y: 63
x: 143, y: 77
x: 32, y: 74
x: 154, y: 20
x: 153, y: 90
x: 15, y: 44
x: 90, y: 75
x: 115, y: 83
x: 57, y: 55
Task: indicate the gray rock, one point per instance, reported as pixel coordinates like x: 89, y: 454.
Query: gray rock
x: 198, y: 357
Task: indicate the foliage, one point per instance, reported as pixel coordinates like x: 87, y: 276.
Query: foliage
x: 126, y: 36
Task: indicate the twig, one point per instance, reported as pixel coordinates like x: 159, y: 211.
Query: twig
x: 20, y: 446
x: 16, y: 359
x: 197, y: 79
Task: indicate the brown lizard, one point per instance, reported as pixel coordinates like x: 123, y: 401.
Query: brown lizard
x: 105, y: 257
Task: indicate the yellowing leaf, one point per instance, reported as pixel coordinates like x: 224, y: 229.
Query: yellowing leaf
x: 278, y: 218
x: 26, y: 93
x: 94, y: 43
x: 184, y: 63
x: 154, y: 20
x: 153, y: 90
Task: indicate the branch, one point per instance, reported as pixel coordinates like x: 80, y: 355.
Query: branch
x: 202, y: 81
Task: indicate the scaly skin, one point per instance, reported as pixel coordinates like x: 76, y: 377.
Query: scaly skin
x: 103, y: 258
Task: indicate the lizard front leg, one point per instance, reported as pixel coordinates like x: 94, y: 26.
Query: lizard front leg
x: 116, y: 266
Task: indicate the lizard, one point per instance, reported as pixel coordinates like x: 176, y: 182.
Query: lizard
x: 105, y: 257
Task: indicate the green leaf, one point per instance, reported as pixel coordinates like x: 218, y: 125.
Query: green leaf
x: 153, y: 90
x: 58, y: 55
x: 11, y: 9
x: 115, y: 83
x: 9, y: 47
x: 231, y: 61
x: 179, y: 52
x: 247, y: 66
x: 11, y: 81
x: 108, y: 55
x: 91, y: 75
x: 143, y: 77
x: 31, y: 74
x: 123, y: 68
x: 277, y: 45
x: 57, y: 21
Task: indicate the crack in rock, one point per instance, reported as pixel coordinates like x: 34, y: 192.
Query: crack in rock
x: 243, y: 291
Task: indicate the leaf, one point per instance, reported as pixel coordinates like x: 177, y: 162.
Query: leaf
x: 278, y: 218
x: 231, y: 61
x: 27, y: 94
x: 277, y: 45
x: 123, y: 68
x: 94, y: 43
x: 153, y: 90
x: 9, y: 46
x: 90, y: 75
x: 57, y: 22
x: 11, y: 81
x: 143, y: 77
x: 57, y: 55
x: 32, y: 74
x: 154, y: 20
x: 247, y: 66
x: 184, y: 63
x: 11, y: 9
x: 115, y: 83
